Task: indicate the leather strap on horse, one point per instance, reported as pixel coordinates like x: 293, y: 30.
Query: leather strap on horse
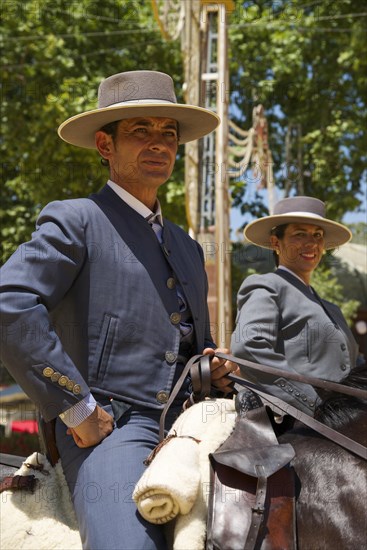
x: 319, y: 427
x: 252, y: 499
x: 19, y: 483
x: 316, y: 382
x: 199, y: 368
x: 201, y: 378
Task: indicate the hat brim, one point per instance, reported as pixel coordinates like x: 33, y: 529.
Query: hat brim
x: 194, y: 122
x: 258, y: 232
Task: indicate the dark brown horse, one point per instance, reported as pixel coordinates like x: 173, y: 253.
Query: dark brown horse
x: 332, y: 482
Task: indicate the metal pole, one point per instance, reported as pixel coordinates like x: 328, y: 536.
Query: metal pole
x: 222, y: 202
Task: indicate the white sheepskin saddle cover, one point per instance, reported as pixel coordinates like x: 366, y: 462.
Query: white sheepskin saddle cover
x: 43, y: 520
x: 174, y: 489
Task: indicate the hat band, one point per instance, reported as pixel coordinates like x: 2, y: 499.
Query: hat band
x: 303, y: 214
x: 300, y: 214
x: 141, y: 101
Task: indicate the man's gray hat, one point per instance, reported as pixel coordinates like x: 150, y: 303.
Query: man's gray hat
x: 307, y: 210
x: 137, y: 94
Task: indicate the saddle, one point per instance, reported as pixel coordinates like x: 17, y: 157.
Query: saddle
x: 252, y: 498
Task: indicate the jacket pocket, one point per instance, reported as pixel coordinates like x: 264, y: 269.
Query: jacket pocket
x: 104, y: 346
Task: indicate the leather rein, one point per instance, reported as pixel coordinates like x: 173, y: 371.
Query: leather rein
x: 199, y: 368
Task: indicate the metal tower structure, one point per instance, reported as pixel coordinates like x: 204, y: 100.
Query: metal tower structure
x: 226, y: 153
x: 215, y: 200
x: 201, y: 25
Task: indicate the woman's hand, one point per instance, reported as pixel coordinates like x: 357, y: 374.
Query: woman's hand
x: 93, y: 429
x: 220, y: 368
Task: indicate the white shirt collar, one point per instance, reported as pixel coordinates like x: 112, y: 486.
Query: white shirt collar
x: 292, y: 273
x: 135, y: 204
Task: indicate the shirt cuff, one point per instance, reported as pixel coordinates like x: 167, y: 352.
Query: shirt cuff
x: 77, y: 413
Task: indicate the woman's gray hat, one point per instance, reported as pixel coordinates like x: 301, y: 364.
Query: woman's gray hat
x: 306, y: 210
x: 137, y: 94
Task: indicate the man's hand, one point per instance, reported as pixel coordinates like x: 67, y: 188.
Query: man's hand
x: 220, y: 368
x: 93, y: 429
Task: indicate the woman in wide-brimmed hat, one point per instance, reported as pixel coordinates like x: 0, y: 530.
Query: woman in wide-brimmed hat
x: 281, y: 321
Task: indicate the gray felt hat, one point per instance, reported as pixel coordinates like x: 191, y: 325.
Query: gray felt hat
x: 134, y: 94
x: 302, y: 209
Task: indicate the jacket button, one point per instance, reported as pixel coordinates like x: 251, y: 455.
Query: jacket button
x: 170, y: 357
x: 55, y: 376
x: 70, y: 385
x: 162, y: 396
x: 63, y: 380
x: 171, y: 283
x: 48, y: 372
x: 77, y: 389
x: 175, y: 318
x: 343, y: 367
x: 343, y: 347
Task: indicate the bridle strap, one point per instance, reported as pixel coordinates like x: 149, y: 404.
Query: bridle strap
x: 201, y: 378
x: 329, y: 433
x: 316, y: 382
x: 198, y: 365
x: 309, y: 421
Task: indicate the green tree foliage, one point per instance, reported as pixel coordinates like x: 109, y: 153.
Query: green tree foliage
x: 55, y: 53
x: 306, y: 62
x: 327, y: 285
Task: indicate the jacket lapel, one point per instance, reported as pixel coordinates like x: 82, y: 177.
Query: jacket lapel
x: 307, y: 291
x: 296, y: 282
x: 139, y: 237
x: 187, y: 265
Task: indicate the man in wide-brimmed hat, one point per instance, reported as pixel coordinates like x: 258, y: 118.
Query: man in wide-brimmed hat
x: 281, y: 321
x: 106, y: 303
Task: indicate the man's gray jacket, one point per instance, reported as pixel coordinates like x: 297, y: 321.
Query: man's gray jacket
x: 91, y: 306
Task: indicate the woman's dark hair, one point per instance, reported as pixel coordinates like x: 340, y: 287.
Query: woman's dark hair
x: 279, y: 232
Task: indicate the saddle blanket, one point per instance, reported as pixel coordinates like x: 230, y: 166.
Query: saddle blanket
x: 44, y: 519
x: 175, y: 487
x: 173, y: 490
